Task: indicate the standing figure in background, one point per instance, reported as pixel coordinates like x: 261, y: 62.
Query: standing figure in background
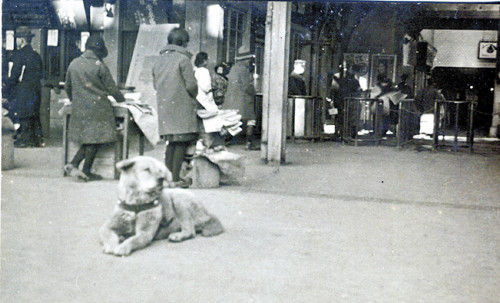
x: 424, y: 100
x: 404, y: 87
x: 219, y: 84
x: 240, y: 95
x: 296, y: 82
x: 176, y: 91
x: 206, y: 98
x: 346, y: 86
x: 24, y: 88
x: 6, y: 61
x: 92, y: 124
x: 424, y: 104
x: 389, y: 113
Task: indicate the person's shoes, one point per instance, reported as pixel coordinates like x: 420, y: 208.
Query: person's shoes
x: 93, y: 177
x: 20, y: 145
x: 184, y: 183
x: 251, y: 146
x: 68, y: 168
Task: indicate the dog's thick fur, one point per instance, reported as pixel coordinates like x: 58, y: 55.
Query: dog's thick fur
x: 175, y: 215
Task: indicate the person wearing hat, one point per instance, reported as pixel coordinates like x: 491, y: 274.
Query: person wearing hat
x: 296, y: 82
x: 24, y: 87
x: 92, y: 124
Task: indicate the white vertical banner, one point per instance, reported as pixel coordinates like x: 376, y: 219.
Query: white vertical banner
x: 52, y: 37
x: 9, y: 40
x: 83, y: 39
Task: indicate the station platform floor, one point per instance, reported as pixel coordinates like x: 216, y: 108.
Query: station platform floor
x: 336, y: 223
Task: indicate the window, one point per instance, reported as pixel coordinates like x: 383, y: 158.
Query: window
x: 234, y: 28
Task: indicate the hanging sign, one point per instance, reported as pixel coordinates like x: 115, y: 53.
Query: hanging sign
x: 9, y: 40
x: 52, y: 37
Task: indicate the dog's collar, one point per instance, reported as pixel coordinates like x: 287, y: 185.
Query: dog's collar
x: 139, y: 207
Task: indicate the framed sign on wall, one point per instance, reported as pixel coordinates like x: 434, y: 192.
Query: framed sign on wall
x: 382, y: 64
x: 487, y: 50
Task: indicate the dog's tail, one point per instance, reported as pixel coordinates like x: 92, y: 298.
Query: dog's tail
x: 212, y: 227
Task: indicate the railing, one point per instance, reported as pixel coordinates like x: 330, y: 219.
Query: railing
x: 362, y: 120
x: 408, y: 122
x: 470, y: 127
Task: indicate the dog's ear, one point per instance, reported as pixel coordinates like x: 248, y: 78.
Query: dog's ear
x: 125, y: 165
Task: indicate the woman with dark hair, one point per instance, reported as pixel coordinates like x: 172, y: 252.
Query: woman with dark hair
x: 92, y: 123
x: 176, y: 90
x: 205, y: 97
x: 219, y: 83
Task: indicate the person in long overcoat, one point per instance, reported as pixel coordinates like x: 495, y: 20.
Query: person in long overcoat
x: 176, y: 90
x: 24, y: 87
x: 92, y: 123
x: 240, y: 96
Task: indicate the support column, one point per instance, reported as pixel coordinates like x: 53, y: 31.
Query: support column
x: 275, y: 81
x: 496, y: 111
x: 112, y: 38
x: 495, y: 121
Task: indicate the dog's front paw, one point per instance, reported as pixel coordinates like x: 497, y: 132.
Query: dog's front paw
x: 175, y: 237
x: 122, y: 250
x: 108, y: 249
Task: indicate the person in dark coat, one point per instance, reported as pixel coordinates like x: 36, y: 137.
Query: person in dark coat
x: 344, y: 87
x: 404, y: 87
x: 425, y: 99
x: 23, y: 86
x: 176, y: 90
x: 240, y: 96
x: 296, y: 82
x: 88, y: 85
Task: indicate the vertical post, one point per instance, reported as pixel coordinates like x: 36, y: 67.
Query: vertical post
x: 112, y: 38
x: 436, y: 125
x: 275, y: 87
x: 471, y: 126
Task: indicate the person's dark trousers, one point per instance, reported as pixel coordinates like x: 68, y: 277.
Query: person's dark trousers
x: 86, y: 152
x: 37, y: 131
x: 174, y: 156
x: 29, y: 132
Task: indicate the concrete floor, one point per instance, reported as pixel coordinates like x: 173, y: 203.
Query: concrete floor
x: 336, y: 224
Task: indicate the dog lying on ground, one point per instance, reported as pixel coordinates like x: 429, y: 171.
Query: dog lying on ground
x: 148, y: 209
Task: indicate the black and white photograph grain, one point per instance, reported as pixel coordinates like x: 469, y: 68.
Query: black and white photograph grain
x: 250, y: 151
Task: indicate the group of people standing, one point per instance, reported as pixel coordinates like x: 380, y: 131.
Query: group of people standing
x: 349, y: 86
x: 181, y: 89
